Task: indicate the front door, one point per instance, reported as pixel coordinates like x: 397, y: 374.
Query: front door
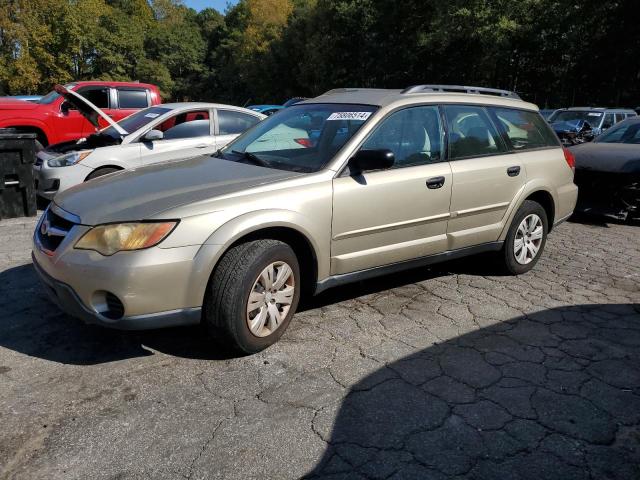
x: 388, y: 216
x: 186, y: 135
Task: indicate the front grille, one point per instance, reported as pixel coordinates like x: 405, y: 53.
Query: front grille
x: 52, y: 230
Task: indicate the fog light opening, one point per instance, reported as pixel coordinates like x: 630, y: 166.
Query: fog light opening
x: 108, y: 305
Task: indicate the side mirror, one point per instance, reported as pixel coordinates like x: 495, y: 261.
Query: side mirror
x: 365, y: 160
x: 65, y: 107
x: 152, y: 136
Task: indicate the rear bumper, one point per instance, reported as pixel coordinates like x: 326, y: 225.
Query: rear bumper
x: 65, y: 297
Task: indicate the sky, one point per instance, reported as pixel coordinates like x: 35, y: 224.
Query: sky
x: 219, y: 5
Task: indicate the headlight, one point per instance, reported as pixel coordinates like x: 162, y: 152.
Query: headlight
x: 109, y: 239
x: 69, y: 159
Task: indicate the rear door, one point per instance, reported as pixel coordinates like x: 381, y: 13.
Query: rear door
x: 231, y: 123
x: 387, y: 216
x: 186, y: 135
x: 486, y: 175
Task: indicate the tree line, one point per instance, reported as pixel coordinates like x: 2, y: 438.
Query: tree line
x: 553, y: 52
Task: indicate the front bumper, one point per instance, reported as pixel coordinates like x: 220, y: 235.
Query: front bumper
x: 150, y: 288
x: 49, y: 181
x: 69, y: 302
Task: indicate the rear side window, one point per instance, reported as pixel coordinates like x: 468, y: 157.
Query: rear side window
x: 471, y: 132
x: 620, y: 117
x: 132, y: 98
x: 524, y: 129
x: 230, y: 122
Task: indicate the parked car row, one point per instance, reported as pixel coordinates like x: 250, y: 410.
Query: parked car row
x: 261, y: 209
x: 169, y: 131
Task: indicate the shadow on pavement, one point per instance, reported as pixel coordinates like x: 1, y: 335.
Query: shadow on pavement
x: 551, y: 395
x: 31, y: 325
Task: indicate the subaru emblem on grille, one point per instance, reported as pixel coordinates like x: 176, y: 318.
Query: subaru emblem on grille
x: 44, y: 227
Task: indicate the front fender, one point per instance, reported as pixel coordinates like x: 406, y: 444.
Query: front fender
x: 234, y: 229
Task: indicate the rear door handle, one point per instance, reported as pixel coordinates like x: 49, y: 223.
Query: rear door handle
x: 513, y: 171
x: 202, y: 145
x: 435, y: 182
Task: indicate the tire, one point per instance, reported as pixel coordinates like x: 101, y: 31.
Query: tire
x: 99, y: 172
x: 514, y: 261
x: 238, y: 274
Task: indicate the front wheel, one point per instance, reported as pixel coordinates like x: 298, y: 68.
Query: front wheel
x: 253, y: 294
x: 526, y: 238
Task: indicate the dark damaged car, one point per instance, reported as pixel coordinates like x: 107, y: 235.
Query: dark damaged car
x: 608, y: 172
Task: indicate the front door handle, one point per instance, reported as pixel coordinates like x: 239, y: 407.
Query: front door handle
x: 513, y: 171
x: 435, y: 182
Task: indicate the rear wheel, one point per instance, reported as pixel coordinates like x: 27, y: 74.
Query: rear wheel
x: 253, y: 294
x: 101, y: 172
x: 526, y: 238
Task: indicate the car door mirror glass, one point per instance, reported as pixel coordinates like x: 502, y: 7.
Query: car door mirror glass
x: 365, y: 160
x: 152, y: 136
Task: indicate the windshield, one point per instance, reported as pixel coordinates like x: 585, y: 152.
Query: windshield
x: 625, y: 132
x: 301, y: 138
x: 572, y: 115
x: 137, y: 120
x: 52, y: 96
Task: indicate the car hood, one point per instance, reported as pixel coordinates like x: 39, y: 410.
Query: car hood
x: 143, y: 193
x: 87, y: 109
x: 15, y: 104
x: 607, y: 157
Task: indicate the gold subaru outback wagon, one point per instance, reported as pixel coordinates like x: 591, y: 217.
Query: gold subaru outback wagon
x: 349, y: 185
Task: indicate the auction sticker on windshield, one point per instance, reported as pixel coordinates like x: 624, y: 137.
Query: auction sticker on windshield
x: 349, y: 116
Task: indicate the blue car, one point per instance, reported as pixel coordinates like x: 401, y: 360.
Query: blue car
x: 26, y: 98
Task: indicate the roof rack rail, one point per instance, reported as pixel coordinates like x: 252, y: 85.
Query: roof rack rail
x: 461, y: 89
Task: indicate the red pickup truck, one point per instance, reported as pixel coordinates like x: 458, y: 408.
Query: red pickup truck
x: 54, y: 120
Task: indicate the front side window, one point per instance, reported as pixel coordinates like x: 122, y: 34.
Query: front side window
x: 608, y: 121
x: 524, y: 129
x: 186, y: 125
x: 415, y: 136
x: 99, y: 96
x: 471, y: 133
x: 619, y: 117
x: 132, y: 98
x: 301, y: 138
x: 230, y: 122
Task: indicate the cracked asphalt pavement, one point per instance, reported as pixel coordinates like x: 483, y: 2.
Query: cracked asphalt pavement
x: 447, y: 372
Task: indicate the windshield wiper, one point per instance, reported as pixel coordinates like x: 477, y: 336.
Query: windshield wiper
x: 252, y: 158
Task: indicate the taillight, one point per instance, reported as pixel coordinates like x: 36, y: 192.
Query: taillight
x: 570, y: 158
x: 305, y: 142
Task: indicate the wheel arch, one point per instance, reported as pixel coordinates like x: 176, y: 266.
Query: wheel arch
x: 39, y: 130
x: 283, y: 225
x: 102, y: 167
x: 538, y: 192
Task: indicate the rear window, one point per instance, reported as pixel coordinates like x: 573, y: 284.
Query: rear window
x: 524, y: 129
x: 130, y: 98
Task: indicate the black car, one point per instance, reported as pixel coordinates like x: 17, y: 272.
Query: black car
x: 608, y: 172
